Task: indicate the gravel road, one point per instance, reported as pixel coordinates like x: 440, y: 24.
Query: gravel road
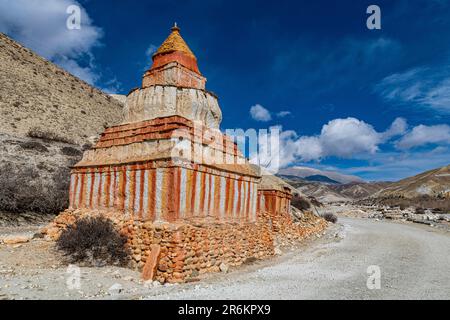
x: 414, y: 262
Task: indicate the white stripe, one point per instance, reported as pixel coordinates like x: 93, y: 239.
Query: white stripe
x: 137, y: 193
x: 88, y: 188
x: 127, y: 190
x: 78, y: 191
x: 158, y: 193
x: 145, y: 196
x: 183, y: 193
x: 72, y: 188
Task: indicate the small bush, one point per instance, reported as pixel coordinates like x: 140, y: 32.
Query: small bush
x: 315, y: 202
x: 300, y: 203
x: 420, y: 211
x: 45, y: 134
x: 34, y: 145
x: 330, y: 217
x: 71, y: 152
x: 93, y: 241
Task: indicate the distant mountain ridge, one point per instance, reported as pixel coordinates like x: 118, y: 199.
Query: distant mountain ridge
x: 428, y: 189
x: 433, y: 183
x: 305, y: 172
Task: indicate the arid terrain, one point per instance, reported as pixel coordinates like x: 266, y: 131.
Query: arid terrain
x: 330, y: 266
x: 48, y: 118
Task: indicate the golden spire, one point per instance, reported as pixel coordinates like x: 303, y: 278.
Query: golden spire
x: 174, y: 43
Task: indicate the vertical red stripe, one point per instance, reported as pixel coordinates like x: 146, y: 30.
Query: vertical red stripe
x: 238, y: 209
x: 227, y: 196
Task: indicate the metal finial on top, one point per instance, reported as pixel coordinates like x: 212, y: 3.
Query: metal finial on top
x: 175, y: 27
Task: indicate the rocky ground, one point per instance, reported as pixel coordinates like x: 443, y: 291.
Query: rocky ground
x: 433, y: 219
x: 332, y: 265
x: 31, y: 268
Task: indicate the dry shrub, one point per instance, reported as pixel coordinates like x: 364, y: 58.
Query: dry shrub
x: 420, y: 211
x: 71, y: 152
x: 33, y: 145
x: 300, y: 203
x: 93, y: 241
x: 330, y: 217
x: 48, y: 135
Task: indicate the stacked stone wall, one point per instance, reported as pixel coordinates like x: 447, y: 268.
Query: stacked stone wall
x: 185, y: 250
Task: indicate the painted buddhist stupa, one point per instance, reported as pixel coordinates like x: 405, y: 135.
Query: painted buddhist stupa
x: 180, y: 191
x: 168, y: 160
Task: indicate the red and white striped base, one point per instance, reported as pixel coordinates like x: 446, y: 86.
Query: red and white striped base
x: 152, y: 192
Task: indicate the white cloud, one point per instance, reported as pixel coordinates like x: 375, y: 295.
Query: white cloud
x: 398, y: 127
x: 283, y: 114
x: 259, y: 113
x: 421, y: 87
x: 423, y: 135
x: 41, y: 26
x: 85, y: 73
x: 348, y: 138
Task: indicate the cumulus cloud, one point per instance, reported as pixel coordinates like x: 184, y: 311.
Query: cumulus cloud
x: 259, y: 113
x: 344, y: 138
x: 398, y: 127
x: 41, y: 26
x: 424, y: 135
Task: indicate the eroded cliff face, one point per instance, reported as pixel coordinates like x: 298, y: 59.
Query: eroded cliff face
x: 46, y: 116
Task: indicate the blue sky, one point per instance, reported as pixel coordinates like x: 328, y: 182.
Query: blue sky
x: 374, y: 103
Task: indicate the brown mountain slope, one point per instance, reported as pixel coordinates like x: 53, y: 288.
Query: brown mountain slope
x: 434, y: 183
x: 430, y: 189
x: 36, y: 95
x: 359, y: 190
x: 46, y: 115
